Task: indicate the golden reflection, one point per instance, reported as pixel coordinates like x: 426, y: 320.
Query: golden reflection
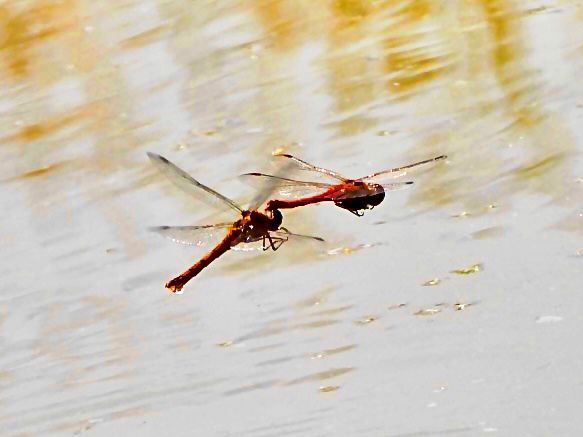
x: 225, y: 344
x: 347, y: 250
x: 25, y: 26
x: 366, y: 320
x: 332, y: 311
x: 350, y: 73
x: 417, y: 47
x: 289, y: 23
x: 328, y: 352
x: 54, y: 124
x: 145, y: 37
x: 314, y: 377
x: 475, y: 268
x: 41, y: 171
x: 329, y: 388
x: 428, y: 311
x: 43, y: 46
x: 432, y: 282
x: 320, y: 376
x: 416, y: 59
x: 313, y: 356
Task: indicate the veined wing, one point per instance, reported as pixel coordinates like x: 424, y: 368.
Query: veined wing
x: 193, y: 235
x: 397, y: 171
x: 186, y: 182
x: 307, y: 166
x: 395, y: 186
x: 279, y: 237
x: 284, y: 233
x: 268, y: 186
x: 285, y: 187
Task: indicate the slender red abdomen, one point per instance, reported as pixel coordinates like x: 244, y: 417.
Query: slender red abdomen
x: 326, y: 196
x: 178, y: 282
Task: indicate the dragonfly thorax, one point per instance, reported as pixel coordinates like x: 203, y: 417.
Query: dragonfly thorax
x: 258, y: 223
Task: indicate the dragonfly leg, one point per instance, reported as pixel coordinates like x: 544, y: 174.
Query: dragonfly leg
x: 278, y: 242
x: 275, y: 242
x: 266, y: 246
x: 284, y: 239
x: 356, y: 212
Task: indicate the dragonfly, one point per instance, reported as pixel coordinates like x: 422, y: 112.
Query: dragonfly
x: 252, y: 226
x: 354, y: 195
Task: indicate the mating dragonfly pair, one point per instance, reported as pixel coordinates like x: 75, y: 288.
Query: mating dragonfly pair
x: 253, y: 226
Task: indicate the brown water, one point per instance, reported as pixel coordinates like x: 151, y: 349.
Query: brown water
x: 343, y: 339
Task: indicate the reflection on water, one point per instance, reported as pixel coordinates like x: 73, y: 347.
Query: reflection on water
x: 88, y: 87
x: 466, y: 80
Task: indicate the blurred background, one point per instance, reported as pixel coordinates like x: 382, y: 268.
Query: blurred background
x: 452, y: 308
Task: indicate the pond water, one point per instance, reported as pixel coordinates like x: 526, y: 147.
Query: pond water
x: 452, y: 308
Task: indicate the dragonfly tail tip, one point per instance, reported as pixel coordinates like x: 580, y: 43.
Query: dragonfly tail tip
x: 174, y: 288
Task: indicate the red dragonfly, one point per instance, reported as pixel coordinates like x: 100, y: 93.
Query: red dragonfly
x: 252, y: 226
x: 354, y: 195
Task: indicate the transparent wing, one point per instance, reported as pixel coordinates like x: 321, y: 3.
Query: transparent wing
x: 283, y: 186
x: 307, y: 166
x: 397, y: 171
x: 193, y: 235
x: 268, y: 187
x: 284, y: 233
x: 395, y: 186
x: 187, y: 183
x: 279, y: 237
x: 250, y: 246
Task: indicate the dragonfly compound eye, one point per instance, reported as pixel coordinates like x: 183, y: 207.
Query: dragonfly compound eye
x: 276, y: 219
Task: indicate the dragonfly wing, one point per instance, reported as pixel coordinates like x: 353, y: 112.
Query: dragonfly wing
x: 394, y: 186
x: 268, y: 186
x: 187, y: 183
x: 285, y: 187
x: 250, y: 246
x: 284, y: 233
x: 278, y: 237
x: 303, y: 165
x: 398, y: 171
x: 193, y: 235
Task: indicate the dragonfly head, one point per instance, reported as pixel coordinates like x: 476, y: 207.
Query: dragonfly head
x: 276, y: 219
